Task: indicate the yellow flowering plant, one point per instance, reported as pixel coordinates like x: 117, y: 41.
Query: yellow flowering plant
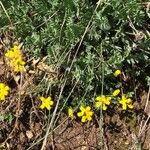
x: 85, y: 114
x: 3, y: 91
x: 46, y: 102
x: 102, y: 101
x: 14, y: 59
x: 126, y: 102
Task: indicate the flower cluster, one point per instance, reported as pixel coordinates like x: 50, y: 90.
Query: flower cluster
x: 124, y: 101
x: 103, y: 101
x: 14, y: 59
x: 3, y: 91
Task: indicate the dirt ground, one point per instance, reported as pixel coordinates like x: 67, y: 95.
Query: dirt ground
x: 71, y: 135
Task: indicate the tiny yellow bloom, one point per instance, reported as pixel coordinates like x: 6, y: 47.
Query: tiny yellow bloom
x: 102, y: 101
x: 46, y: 102
x: 85, y: 114
x: 3, y: 91
x: 117, y: 72
x: 70, y: 112
x: 126, y: 102
x: 116, y: 92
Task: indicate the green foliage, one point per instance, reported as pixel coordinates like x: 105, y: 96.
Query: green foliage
x: 55, y: 28
x: 8, y: 117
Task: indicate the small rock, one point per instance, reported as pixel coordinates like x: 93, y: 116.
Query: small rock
x: 29, y: 134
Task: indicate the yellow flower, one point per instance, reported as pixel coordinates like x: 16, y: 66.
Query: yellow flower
x: 85, y: 113
x: 13, y: 52
x: 102, y: 101
x: 3, y: 91
x: 116, y: 92
x: 14, y: 59
x: 70, y: 112
x: 126, y: 102
x: 46, y: 102
x: 117, y: 73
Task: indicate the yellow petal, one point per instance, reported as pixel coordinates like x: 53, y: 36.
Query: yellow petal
x: 124, y: 98
x: 117, y: 72
x: 83, y: 119
x: 116, y: 92
x: 51, y: 102
x: 89, y: 118
x: 82, y: 108
x: 90, y: 113
x: 98, y: 104
x: 88, y: 108
x: 2, y: 97
x: 130, y: 106
x: 124, y: 106
x: 1, y: 85
x: 48, y: 107
x: 42, y: 106
x: 42, y: 98
x: 99, y: 98
x: 104, y: 107
x: 49, y: 98
x: 107, y: 100
x: 79, y: 114
x: 120, y: 101
x: 70, y: 112
x: 129, y: 100
x: 5, y: 93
